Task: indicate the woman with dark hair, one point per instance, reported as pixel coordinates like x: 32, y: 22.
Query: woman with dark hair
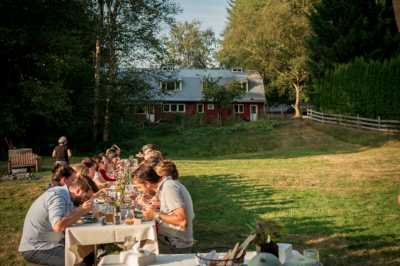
x: 62, y: 152
x: 62, y: 175
x: 100, y: 165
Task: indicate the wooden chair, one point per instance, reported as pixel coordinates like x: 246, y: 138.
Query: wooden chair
x: 23, y: 161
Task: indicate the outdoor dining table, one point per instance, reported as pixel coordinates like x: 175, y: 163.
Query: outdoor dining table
x: 80, y: 239
x: 177, y: 259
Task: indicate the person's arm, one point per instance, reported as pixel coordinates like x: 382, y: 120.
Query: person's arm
x: 54, y: 153
x: 68, y: 221
x: 69, y: 153
x: 103, y: 190
x: 179, y: 217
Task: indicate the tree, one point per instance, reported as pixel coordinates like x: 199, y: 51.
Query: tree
x: 41, y: 44
x: 267, y: 36
x: 344, y: 30
x: 133, y: 28
x: 224, y: 96
x: 190, y: 47
x: 99, y: 33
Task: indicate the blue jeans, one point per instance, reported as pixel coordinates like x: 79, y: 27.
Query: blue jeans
x: 53, y: 257
x: 63, y: 162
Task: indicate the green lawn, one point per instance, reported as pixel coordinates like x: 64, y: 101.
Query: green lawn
x: 334, y: 188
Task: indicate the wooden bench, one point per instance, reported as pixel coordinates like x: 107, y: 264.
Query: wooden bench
x: 23, y: 161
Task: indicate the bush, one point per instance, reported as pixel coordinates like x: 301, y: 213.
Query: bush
x: 264, y: 125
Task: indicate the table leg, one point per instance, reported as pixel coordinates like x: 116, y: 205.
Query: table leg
x: 95, y: 255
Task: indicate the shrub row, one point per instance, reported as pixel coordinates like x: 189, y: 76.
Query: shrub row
x: 264, y: 125
x: 370, y: 89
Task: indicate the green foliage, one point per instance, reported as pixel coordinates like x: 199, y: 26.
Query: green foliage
x: 268, y: 36
x: 370, y: 89
x: 267, y: 233
x: 344, y: 30
x: 190, y: 47
x: 263, y: 125
x: 224, y: 96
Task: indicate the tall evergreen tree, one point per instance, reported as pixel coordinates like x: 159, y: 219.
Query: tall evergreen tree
x: 344, y: 30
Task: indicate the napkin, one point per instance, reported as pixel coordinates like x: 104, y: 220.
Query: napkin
x: 133, y: 257
x: 210, y: 256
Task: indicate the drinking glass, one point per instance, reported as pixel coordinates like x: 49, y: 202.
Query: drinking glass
x: 109, y: 214
x: 97, y: 211
x: 129, y: 242
x: 129, y: 216
x: 311, y: 253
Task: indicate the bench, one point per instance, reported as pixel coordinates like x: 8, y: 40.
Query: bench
x: 23, y: 161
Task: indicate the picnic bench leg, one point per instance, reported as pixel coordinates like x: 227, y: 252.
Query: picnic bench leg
x: 9, y: 166
x: 37, y: 165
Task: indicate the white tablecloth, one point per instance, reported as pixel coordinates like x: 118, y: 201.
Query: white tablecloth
x: 176, y: 260
x: 90, y: 234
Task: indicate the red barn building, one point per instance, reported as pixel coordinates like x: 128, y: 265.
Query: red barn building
x: 186, y: 96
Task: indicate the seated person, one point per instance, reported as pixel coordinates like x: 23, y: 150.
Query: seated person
x: 62, y: 175
x: 82, y: 170
x: 49, y: 216
x: 118, y: 164
x: 117, y: 149
x: 175, y: 231
x: 98, y: 178
x: 149, y: 149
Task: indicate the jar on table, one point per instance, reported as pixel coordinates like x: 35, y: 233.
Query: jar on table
x: 129, y: 216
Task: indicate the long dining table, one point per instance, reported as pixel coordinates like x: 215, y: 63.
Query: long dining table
x: 80, y: 240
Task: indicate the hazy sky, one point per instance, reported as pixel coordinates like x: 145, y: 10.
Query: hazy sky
x: 211, y: 13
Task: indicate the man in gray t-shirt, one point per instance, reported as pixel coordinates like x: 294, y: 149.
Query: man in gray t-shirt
x: 175, y: 230
x: 49, y: 216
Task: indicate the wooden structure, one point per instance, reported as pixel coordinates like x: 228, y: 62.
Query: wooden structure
x: 396, y: 10
x: 357, y: 122
x: 23, y: 161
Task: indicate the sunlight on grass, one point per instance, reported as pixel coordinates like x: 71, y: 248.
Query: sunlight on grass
x: 332, y: 192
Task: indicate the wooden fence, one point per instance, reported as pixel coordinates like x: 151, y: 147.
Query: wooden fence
x: 357, y: 122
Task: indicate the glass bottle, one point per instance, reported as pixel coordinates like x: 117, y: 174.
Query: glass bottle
x: 117, y: 215
x: 129, y: 216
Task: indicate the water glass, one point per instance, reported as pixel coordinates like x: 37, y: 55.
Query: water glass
x: 109, y: 214
x: 311, y: 253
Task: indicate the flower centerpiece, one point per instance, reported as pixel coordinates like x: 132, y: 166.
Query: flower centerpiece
x: 116, y: 201
x: 267, y: 237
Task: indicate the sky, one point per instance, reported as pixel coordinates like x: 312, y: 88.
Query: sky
x: 211, y: 13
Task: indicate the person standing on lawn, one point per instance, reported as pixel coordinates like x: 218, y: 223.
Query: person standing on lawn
x: 42, y: 239
x: 175, y: 229
x: 62, y: 152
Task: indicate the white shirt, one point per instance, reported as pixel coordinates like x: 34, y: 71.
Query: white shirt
x: 96, y: 175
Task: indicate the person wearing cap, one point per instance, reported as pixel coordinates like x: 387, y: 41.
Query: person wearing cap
x: 62, y: 152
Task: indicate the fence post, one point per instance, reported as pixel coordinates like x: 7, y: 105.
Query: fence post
x: 281, y: 111
x: 379, y: 123
x: 322, y: 117
x: 358, y: 121
x: 307, y: 112
x: 340, y: 118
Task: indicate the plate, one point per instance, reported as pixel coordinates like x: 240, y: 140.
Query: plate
x: 87, y: 221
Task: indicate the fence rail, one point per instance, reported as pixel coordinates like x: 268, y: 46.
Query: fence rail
x: 352, y: 121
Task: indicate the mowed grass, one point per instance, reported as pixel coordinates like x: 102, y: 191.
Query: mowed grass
x: 334, y: 188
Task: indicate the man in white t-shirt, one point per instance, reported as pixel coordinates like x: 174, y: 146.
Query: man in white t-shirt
x: 175, y: 230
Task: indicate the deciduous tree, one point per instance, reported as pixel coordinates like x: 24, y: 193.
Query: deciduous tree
x: 224, y: 96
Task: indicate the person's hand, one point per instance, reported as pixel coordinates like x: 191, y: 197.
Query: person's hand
x: 149, y: 213
x: 133, y: 194
x: 103, y: 190
x: 139, y: 155
x: 155, y: 204
x: 141, y: 200
x: 87, y: 206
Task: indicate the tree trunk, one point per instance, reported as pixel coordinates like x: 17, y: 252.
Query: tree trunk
x: 111, y: 20
x: 296, y: 105
x: 219, y: 115
x: 97, y: 70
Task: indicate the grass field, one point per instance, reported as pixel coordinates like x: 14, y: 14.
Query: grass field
x: 334, y: 188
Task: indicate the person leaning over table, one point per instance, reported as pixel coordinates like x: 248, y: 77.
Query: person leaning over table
x: 175, y: 230
x: 62, y: 152
x: 82, y: 170
x: 118, y: 164
x: 62, y: 175
x: 49, y: 216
